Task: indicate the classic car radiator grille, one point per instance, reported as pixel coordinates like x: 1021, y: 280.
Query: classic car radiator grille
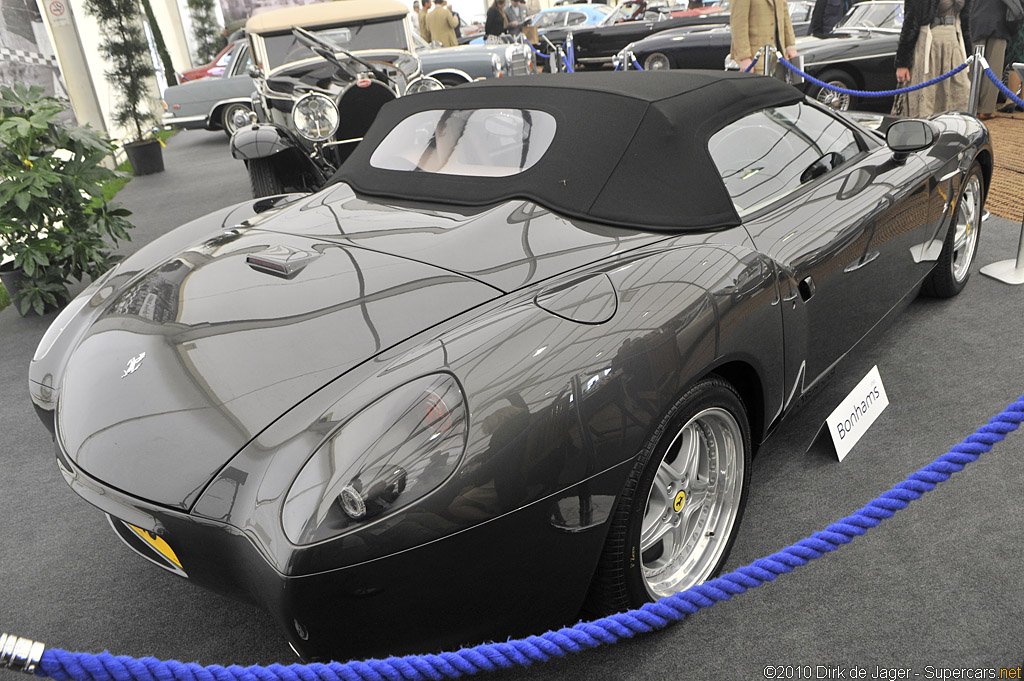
x: 520, y: 65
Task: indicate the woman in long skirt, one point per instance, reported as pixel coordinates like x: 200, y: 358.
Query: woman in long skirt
x: 935, y: 40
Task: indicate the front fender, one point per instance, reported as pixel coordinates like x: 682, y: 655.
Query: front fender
x: 260, y: 141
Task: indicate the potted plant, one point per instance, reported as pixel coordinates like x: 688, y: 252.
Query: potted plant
x: 126, y: 48
x: 55, y: 225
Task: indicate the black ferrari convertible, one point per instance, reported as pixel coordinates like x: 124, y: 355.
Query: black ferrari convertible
x: 482, y: 383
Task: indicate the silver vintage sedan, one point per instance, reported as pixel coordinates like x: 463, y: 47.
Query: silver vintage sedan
x: 221, y: 102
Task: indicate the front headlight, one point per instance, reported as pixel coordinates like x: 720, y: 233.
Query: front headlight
x: 424, y: 84
x: 389, y: 455
x: 315, y: 117
x: 496, y: 65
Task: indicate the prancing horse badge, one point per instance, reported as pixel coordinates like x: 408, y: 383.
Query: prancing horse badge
x: 133, y: 364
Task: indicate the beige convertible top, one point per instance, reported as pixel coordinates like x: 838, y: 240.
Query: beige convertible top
x: 324, y: 14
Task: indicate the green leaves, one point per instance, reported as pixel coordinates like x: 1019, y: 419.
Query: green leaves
x: 54, y: 221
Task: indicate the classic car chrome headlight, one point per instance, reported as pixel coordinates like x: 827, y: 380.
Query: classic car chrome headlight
x: 496, y: 65
x: 315, y: 117
x: 387, y: 456
x: 425, y: 84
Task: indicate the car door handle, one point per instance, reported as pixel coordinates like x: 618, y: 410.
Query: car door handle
x: 861, y: 261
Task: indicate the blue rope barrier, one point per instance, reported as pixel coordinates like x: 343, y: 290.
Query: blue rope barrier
x: 65, y: 666
x: 1006, y: 91
x: 538, y: 52
x: 880, y: 93
x: 753, y: 63
x: 636, y: 64
x: 570, y: 50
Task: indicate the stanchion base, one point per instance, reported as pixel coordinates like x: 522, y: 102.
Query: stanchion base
x: 1005, y: 271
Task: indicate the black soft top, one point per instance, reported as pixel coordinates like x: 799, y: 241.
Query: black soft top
x: 630, y: 149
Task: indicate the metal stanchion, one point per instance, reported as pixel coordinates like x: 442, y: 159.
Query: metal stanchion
x: 1009, y: 271
x: 553, y: 66
x: 977, y: 73
x: 766, y: 58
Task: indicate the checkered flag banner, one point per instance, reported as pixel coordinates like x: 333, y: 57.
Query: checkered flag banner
x: 26, y: 57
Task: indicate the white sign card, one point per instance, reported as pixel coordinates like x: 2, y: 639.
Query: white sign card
x: 855, y: 414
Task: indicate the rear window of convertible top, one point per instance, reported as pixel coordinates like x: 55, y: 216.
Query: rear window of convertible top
x: 469, y: 142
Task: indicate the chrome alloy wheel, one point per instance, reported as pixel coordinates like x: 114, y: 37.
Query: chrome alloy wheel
x: 965, y: 235
x: 694, y: 503
x: 836, y: 101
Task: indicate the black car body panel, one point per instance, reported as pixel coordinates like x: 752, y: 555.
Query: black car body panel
x: 272, y: 327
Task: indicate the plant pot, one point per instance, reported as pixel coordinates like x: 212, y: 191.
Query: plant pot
x: 11, y: 279
x: 146, y: 157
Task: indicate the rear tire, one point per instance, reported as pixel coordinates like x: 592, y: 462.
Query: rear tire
x: 676, y: 519
x: 263, y: 178
x: 961, y: 244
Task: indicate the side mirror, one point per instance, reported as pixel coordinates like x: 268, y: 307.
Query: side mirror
x: 909, y: 135
x: 253, y: 72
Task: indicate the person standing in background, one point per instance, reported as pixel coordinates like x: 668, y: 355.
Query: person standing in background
x: 756, y: 23
x: 497, y: 22
x: 424, y: 29
x: 826, y: 14
x: 993, y: 24
x: 414, y: 17
x: 515, y: 12
x: 935, y: 39
x: 441, y: 24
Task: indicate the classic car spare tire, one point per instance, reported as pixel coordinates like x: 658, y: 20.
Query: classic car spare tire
x: 263, y: 178
x: 835, y: 100
x: 233, y: 117
x: 961, y: 243
x: 676, y: 519
x: 656, y: 61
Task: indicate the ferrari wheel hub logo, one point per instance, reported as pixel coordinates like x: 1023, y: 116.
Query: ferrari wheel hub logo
x: 133, y: 364
x: 679, y: 501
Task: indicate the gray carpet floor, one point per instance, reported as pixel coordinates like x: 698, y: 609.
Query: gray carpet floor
x: 939, y: 586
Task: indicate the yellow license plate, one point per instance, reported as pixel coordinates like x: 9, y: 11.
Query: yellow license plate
x: 158, y: 544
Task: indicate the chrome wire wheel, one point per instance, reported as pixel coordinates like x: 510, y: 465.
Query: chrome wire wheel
x: 656, y: 62
x: 693, y: 504
x: 965, y: 234
x: 837, y: 101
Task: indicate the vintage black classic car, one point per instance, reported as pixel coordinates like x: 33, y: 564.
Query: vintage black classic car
x: 322, y: 73
x: 860, y: 54
x: 632, y: 20
x: 699, y: 47
x: 480, y: 382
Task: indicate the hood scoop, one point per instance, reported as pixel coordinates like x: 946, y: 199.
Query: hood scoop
x: 281, y: 261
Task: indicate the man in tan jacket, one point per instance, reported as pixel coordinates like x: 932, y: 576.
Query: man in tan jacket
x: 441, y: 24
x: 753, y: 26
x: 422, y: 24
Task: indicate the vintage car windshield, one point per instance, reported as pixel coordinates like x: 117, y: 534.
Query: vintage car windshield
x: 868, y: 15
x: 284, y: 48
x: 472, y: 142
